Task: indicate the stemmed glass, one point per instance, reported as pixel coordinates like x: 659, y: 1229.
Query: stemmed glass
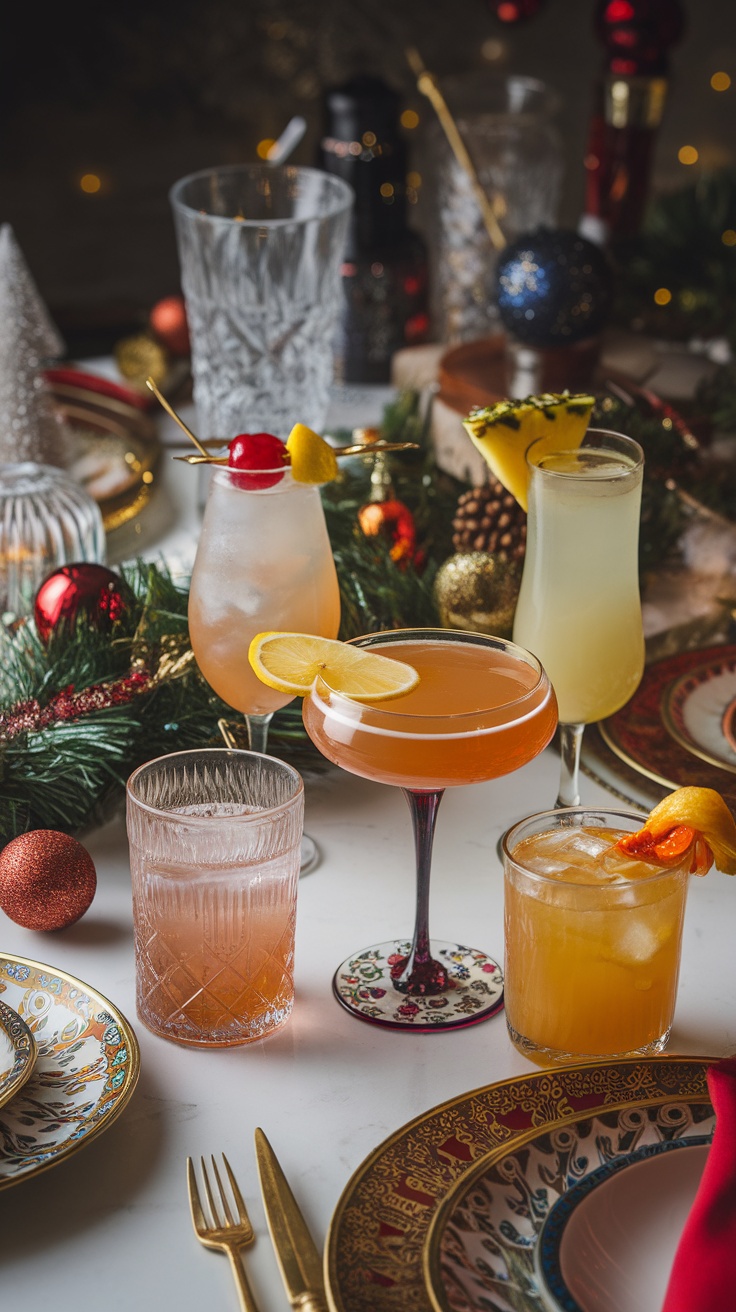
x: 579, y: 607
x: 482, y: 708
x: 263, y: 561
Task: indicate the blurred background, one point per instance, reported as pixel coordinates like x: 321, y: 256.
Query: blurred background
x: 106, y: 106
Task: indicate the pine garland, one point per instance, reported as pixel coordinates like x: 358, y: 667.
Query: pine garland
x: 682, y: 249
x: 79, y: 714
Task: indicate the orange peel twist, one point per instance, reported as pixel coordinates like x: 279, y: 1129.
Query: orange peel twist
x: 689, y: 819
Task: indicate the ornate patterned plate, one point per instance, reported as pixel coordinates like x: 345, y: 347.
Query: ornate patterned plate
x: 484, y: 1247
x: 696, y: 710
x: 637, y: 735
x: 608, y: 1244
x: 377, y: 1234
x: 17, y: 1052
x: 86, y: 1068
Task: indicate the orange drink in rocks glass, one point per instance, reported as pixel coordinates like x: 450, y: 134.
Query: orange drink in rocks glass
x: 594, y: 911
x: 422, y: 710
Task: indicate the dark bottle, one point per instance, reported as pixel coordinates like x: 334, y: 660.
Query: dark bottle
x: 385, y: 266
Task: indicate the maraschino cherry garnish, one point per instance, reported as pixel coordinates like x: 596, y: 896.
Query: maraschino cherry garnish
x: 254, y: 451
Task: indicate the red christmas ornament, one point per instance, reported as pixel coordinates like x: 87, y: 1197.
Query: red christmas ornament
x: 258, y: 451
x: 92, y: 590
x: 168, y: 320
x: 47, y: 880
x: 394, y: 521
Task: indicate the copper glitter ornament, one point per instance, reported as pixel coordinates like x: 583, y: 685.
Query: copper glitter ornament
x: 47, y: 880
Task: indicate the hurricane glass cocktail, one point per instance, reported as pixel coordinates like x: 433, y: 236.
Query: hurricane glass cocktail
x: 579, y: 607
x: 263, y: 561
x: 482, y: 708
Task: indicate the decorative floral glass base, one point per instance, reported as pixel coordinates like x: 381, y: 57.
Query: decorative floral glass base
x: 364, y: 986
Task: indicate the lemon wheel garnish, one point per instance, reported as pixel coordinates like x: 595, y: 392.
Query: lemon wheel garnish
x: 504, y: 432
x: 312, y: 459
x: 702, y: 812
x: 292, y: 662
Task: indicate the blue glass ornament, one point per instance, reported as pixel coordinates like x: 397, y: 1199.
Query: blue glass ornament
x: 554, y: 288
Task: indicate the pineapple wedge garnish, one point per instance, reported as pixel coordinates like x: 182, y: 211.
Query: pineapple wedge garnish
x: 694, y: 819
x: 504, y: 432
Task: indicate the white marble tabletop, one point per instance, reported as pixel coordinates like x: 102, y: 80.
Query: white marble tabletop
x: 110, y: 1227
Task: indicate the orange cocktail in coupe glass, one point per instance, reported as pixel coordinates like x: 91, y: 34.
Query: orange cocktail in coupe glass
x: 482, y: 708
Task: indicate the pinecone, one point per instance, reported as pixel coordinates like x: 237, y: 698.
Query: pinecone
x: 489, y: 519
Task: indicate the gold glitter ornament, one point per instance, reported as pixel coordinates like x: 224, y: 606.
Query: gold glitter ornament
x: 477, y: 591
x: 141, y: 357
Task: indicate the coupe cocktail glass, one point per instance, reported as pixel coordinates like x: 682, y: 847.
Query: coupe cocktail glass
x: 579, y: 608
x: 263, y: 561
x: 482, y: 708
x: 592, y: 937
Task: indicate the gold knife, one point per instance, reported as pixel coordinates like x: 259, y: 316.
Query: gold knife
x: 297, y: 1253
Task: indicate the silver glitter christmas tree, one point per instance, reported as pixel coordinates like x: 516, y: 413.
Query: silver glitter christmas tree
x: 29, y: 427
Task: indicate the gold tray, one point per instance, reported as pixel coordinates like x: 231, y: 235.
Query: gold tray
x: 373, y: 1257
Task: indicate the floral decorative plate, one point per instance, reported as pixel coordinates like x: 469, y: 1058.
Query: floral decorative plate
x: 637, y: 734
x: 17, y: 1052
x: 495, y: 1240
x: 697, y: 709
x: 379, y: 1227
x: 86, y: 1068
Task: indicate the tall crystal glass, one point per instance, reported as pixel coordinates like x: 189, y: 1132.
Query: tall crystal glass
x: 579, y: 608
x: 482, y: 708
x: 214, y: 862
x: 260, y: 250
x: 263, y: 561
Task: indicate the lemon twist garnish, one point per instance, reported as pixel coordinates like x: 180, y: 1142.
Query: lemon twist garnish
x: 293, y: 662
x: 312, y: 459
x: 504, y: 432
x: 694, y: 818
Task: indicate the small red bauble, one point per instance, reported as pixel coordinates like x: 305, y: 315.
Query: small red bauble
x: 168, y: 320
x: 393, y: 520
x: 91, y: 590
x: 47, y: 880
x: 258, y: 451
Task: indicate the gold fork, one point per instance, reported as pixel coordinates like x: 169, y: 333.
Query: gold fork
x: 222, y: 1230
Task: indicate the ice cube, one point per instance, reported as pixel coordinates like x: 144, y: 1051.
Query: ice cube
x: 638, y: 942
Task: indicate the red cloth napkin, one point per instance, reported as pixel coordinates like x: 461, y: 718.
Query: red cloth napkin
x: 703, y: 1276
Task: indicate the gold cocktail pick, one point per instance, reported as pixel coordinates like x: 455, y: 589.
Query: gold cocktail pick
x: 357, y: 449
x: 427, y: 85
x: 151, y: 385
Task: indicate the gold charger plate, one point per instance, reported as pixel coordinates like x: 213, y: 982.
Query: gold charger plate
x: 86, y: 1068
x: 373, y: 1257
x: 116, y: 449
